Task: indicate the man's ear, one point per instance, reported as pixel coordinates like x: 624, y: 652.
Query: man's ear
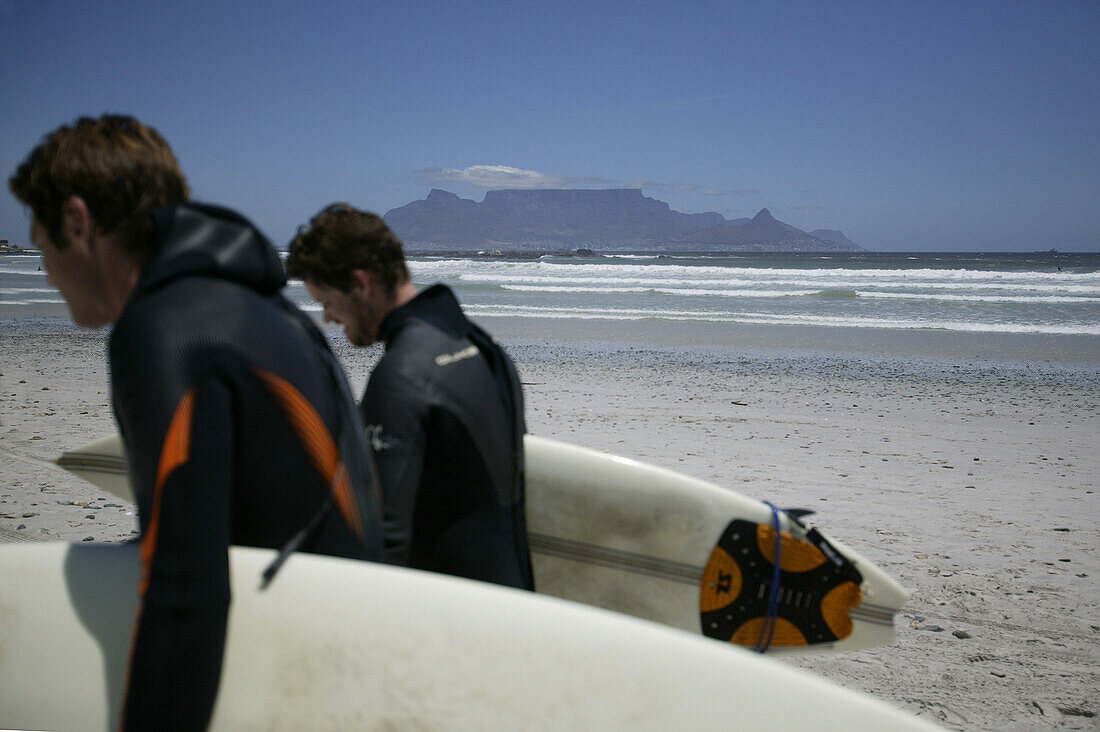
x: 363, y: 281
x: 78, y: 223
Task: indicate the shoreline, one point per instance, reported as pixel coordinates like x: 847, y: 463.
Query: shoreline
x: 965, y: 467
x: 1073, y: 351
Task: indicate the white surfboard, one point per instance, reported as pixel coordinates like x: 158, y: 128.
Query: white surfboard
x: 650, y: 542
x: 339, y: 644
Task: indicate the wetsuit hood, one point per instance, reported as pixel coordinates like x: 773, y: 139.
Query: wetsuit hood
x: 197, y: 239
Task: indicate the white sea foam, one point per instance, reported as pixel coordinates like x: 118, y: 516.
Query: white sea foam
x: 467, y: 267
x: 684, y: 291
x: 1032, y: 300
x: 921, y: 283
x: 33, y: 301
x: 25, y: 290
x: 741, y: 287
x: 777, y: 319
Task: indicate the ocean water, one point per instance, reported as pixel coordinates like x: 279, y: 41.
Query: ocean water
x: 1009, y: 293
x: 1040, y: 293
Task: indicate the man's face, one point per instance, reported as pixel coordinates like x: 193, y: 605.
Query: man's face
x: 71, y: 271
x: 351, y: 309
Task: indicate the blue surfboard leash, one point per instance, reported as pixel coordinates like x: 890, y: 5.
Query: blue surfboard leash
x: 768, y: 631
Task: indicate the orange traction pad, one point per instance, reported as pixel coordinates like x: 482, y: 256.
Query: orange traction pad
x: 816, y: 593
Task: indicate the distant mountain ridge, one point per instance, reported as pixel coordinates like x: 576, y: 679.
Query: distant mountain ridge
x: 763, y: 233
x: 549, y: 219
x: 834, y: 236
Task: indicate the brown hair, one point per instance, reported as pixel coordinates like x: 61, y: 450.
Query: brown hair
x: 341, y: 239
x: 122, y: 169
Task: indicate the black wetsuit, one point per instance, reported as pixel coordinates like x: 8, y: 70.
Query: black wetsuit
x: 236, y: 426
x: 444, y: 411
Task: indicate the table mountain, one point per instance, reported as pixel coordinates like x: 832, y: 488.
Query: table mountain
x: 554, y: 219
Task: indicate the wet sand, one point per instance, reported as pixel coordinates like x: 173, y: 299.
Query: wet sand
x: 964, y: 464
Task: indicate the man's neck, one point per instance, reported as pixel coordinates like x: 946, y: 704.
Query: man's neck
x: 405, y: 292
x: 120, y: 271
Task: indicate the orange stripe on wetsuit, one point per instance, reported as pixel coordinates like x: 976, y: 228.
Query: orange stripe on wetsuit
x: 307, y: 424
x: 319, y: 444
x: 311, y: 430
x: 175, y: 452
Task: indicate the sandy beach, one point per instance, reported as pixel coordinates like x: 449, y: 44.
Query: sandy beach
x: 964, y: 464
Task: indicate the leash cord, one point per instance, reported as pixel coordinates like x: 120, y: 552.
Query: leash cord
x: 768, y: 631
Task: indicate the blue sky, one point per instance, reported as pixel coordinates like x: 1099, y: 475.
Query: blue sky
x: 932, y: 125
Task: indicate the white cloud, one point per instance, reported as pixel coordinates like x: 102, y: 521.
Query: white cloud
x: 503, y: 176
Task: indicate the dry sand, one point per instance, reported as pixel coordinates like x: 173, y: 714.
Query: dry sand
x: 965, y: 465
